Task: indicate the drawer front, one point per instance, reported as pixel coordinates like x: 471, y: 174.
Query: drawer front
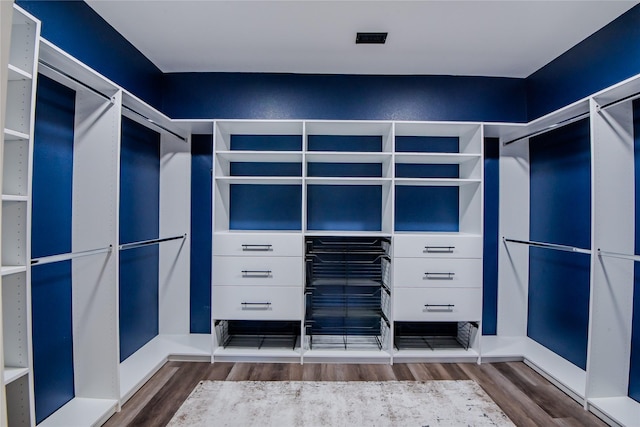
x: 254, y: 244
x: 437, y: 273
x: 433, y: 304
x: 256, y: 303
x: 437, y: 246
x: 257, y: 271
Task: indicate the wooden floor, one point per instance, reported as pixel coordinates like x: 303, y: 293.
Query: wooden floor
x: 525, y: 396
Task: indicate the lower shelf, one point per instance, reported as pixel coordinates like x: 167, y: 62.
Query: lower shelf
x: 623, y: 410
x: 82, y: 412
x: 11, y: 374
x: 141, y: 365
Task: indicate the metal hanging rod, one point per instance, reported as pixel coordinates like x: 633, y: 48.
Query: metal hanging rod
x: 68, y: 256
x: 620, y: 101
x: 548, y: 246
x: 618, y: 255
x: 142, y: 243
x: 548, y: 128
x: 70, y: 77
x: 154, y: 123
x: 109, y: 98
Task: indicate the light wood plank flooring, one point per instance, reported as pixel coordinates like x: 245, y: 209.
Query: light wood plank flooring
x: 525, y: 396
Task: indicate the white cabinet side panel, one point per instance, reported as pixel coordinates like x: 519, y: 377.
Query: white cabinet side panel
x: 175, y: 217
x: 613, y: 225
x: 513, y: 260
x: 95, y: 216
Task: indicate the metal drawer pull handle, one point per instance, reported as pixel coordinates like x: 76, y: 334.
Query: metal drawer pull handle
x: 256, y: 305
x: 439, y: 276
x: 439, y: 307
x: 439, y: 249
x: 256, y: 273
x: 257, y: 248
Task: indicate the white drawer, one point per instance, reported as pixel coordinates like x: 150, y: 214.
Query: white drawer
x: 446, y: 246
x: 258, y: 244
x: 257, y: 271
x: 256, y: 303
x: 439, y: 273
x: 437, y: 304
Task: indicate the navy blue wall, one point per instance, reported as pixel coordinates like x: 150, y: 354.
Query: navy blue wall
x: 51, y: 234
x: 201, y: 191
x: 634, y: 371
x: 607, y: 57
x: 312, y: 96
x: 77, y: 29
x: 491, y: 231
x: 139, y: 220
x: 560, y: 200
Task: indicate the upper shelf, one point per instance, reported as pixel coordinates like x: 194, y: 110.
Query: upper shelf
x: 17, y: 74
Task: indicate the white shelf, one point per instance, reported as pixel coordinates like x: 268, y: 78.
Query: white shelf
x: 260, y: 156
x: 14, y: 135
x: 622, y: 410
x: 16, y: 74
x: 260, y: 180
x: 82, y: 412
x: 256, y: 355
x: 141, y: 365
x: 12, y: 269
x: 11, y: 374
x: 346, y: 157
x: 346, y: 356
x: 316, y: 233
x: 347, y: 181
x: 435, y: 158
x: 13, y: 198
x: 448, y: 355
x: 436, y: 182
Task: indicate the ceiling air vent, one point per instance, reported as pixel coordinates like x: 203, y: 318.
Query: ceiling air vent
x: 371, y: 38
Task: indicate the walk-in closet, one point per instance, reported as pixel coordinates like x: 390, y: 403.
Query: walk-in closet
x: 309, y: 218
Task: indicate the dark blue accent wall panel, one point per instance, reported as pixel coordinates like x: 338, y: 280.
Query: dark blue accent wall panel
x: 606, y: 58
x: 266, y: 142
x: 201, y: 191
x: 560, y: 212
x: 428, y: 144
x: 491, y: 232
x: 343, y: 97
x: 139, y: 182
x: 427, y: 208
x: 51, y: 234
x: 265, y: 169
x: 558, y: 316
x: 411, y: 170
x: 265, y: 207
x: 138, y: 298
x: 52, y: 337
x: 80, y: 31
x: 560, y: 197
x: 344, y: 207
x: 52, y: 169
x: 634, y: 370
x: 366, y: 143
x: 362, y: 170
x: 139, y: 220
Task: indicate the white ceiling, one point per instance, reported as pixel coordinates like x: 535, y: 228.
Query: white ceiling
x: 473, y: 37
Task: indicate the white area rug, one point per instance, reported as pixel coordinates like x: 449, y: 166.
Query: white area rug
x: 303, y: 403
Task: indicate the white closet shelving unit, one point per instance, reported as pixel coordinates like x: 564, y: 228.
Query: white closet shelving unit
x: 16, y: 219
x: 603, y: 386
x: 438, y: 274
x: 173, y: 340
x: 369, y: 158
